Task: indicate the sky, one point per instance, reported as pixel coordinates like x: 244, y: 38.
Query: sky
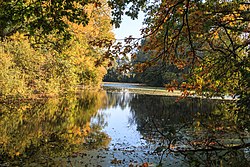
x: 129, y: 27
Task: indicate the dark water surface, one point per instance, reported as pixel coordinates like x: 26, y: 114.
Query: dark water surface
x: 115, y: 127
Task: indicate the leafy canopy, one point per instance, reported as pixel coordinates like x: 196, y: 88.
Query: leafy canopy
x: 210, y: 38
x: 42, y: 17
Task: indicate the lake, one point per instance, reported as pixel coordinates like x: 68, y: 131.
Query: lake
x: 122, y: 125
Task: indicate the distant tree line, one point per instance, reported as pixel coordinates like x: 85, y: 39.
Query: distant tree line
x: 158, y: 74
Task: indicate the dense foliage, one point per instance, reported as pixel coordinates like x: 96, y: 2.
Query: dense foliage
x: 204, y: 43
x: 49, y: 48
x: 50, y: 65
x: 41, y: 18
x: 207, y: 40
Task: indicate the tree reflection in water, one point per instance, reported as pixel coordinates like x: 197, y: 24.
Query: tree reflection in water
x: 36, y: 132
x: 191, y: 132
x: 199, y: 131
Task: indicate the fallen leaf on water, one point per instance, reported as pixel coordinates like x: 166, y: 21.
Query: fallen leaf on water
x: 116, y: 161
x: 145, y: 164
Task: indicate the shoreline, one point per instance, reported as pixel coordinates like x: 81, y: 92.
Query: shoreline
x: 148, y: 90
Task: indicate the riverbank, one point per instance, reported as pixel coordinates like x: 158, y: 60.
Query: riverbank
x: 148, y: 90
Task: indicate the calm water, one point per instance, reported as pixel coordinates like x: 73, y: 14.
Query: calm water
x: 114, y: 127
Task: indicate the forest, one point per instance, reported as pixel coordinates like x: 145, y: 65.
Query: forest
x: 56, y: 48
x: 50, y: 48
x: 46, y: 47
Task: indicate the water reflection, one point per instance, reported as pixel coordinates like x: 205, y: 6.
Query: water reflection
x: 110, y: 128
x: 196, y: 132
x: 38, y: 131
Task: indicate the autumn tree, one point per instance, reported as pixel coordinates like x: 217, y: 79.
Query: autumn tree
x: 210, y: 38
x: 89, y: 45
x: 41, y: 17
x: 38, y: 57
